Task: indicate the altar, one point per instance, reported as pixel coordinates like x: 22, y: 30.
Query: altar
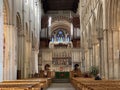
x: 62, y: 75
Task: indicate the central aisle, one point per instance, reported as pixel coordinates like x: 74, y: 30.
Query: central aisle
x: 61, y: 86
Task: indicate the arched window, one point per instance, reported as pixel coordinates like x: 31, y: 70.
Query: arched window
x: 60, y: 36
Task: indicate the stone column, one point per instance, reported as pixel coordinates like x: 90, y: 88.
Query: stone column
x: 21, y: 54
x: 91, y: 56
x: 83, y: 60
x: 6, y: 57
x: 26, y: 62
x: 29, y: 57
x: 34, y: 62
x: 105, y: 59
x: 97, y: 54
x: 94, y: 54
x: 110, y: 54
x: 12, y: 64
x: 90, y: 52
x: 15, y: 42
x: 115, y: 52
x: 93, y: 44
x: 94, y: 50
x: 112, y: 62
x: 100, y: 39
x: 87, y: 60
x: 1, y: 40
x: 119, y: 55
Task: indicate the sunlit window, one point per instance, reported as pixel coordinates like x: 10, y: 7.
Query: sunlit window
x: 71, y: 29
x: 60, y: 36
x: 49, y: 21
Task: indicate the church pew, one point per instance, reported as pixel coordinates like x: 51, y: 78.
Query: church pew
x: 20, y: 85
x: 91, y: 84
x: 103, y: 85
x: 41, y: 83
x: 17, y: 87
x: 44, y: 82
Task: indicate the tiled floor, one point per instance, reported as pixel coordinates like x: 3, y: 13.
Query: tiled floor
x: 61, y: 86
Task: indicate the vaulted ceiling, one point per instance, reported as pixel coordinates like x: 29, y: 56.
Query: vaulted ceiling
x: 60, y: 5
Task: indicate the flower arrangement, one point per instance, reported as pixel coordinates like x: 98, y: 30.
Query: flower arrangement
x: 94, y: 70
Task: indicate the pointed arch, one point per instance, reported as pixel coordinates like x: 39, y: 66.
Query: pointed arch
x: 100, y: 16
x: 93, y: 26
x: 6, y: 11
x: 18, y: 22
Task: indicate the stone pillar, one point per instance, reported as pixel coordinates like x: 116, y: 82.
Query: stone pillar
x: 29, y: 57
x: 119, y: 35
x: 100, y: 39
x: 1, y: 40
x: 110, y: 54
x: 100, y: 56
x: 119, y: 54
x: 87, y: 60
x: 83, y: 60
x: 26, y: 62
x: 105, y: 59
x: 90, y: 52
x: 21, y: 54
x: 95, y: 54
x: 91, y: 56
x: 15, y: 42
x: 34, y: 62
x: 115, y: 52
x: 6, y: 57
x: 12, y: 63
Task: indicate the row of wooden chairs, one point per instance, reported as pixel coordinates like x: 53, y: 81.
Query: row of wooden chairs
x: 91, y: 84
x: 26, y: 84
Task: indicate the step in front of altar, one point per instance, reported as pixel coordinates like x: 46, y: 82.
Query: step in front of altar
x: 55, y: 80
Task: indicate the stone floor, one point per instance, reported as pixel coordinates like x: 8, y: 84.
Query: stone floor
x: 61, y: 86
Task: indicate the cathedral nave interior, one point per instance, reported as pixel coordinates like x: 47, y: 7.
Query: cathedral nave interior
x: 59, y: 44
